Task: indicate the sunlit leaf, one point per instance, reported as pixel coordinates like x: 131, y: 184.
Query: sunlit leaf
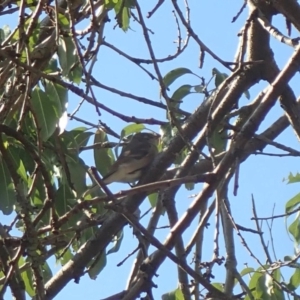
x: 218, y: 286
x: 153, y: 199
x: 125, y: 18
x: 109, y: 4
x: 62, y: 123
x: 174, y: 295
x: 294, y: 229
x: 294, y: 178
x: 292, y: 203
x: 63, y: 21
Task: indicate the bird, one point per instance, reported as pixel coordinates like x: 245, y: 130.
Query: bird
x: 135, y: 157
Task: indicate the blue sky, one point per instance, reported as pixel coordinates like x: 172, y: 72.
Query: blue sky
x: 261, y: 176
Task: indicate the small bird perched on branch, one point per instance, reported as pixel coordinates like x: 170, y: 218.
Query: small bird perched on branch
x: 135, y: 157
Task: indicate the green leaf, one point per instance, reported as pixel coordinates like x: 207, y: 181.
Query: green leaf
x: 153, y: 199
x: 97, y: 265
x: 292, y: 203
x: 62, y: 196
x: 67, y: 55
x: 63, y: 21
x: 34, y: 36
x: 7, y: 193
x: 174, y: 295
x: 1, y: 35
x: 219, y: 77
x: 117, y: 240
x: 294, y: 229
x: 76, y: 138
x: 174, y: 74
x: 75, y: 73
x: 46, y: 112
x: 294, y: 280
x: 118, y: 4
x: 166, y: 133
x: 125, y: 18
x: 277, y: 293
x: 17, y: 162
x: 218, y: 140
x: 266, y: 288
x: 254, y: 279
x: 181, y: 92
x: 261, y: 289
x: 245, y: 272
x: 77, y: 170
x: 67, y: 256
x: 130, y: 129
x: 46, y: 271
x: 64, y: 201
x: 294, y: 178
x: 59, y: 95
x: 110, y: 4
x: 27, y: 277
x: 276, y: 274
x: 104, y: 157
x: 29, y: 3
x: 38, y: 194
x: 218, y: 286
